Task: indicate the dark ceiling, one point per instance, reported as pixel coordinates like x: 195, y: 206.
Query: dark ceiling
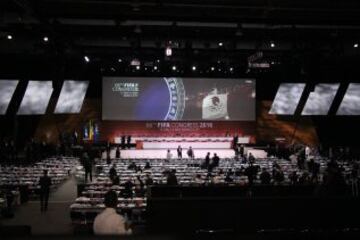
x: 107, y: 30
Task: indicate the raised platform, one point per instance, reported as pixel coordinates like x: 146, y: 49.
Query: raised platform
x: 199, y: 153
x: 184, y: 142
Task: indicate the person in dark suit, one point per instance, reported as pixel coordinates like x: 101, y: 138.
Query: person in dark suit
x: 215, y: 160
x: 117, y: 152
x: 87, y: 166
x: 172, y: 179
x: 179, y: 152
x: 112, y: 172
x: 128, y: 141
x: 190, y: 153
x: 123, y: 141
x: 45, y: 183
x: 235, y: 141
x: 241, y: 150
x: 206, y: 163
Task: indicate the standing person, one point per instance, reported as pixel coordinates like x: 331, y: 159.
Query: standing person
x: 109, y: 222
x: 241, y: 150
x: 117, y: 152
x: 128, y: 141
x: 179, y: 152
x: 168, y: 155
x: 123, y: 141
x: 45, y: 183
x: 190, y: 153
x: 87, y: 166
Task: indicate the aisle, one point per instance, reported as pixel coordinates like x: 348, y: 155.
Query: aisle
x: 56, y: 220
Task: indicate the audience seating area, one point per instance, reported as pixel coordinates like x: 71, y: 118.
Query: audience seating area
x: 26, y: 178
x: 191, y: 175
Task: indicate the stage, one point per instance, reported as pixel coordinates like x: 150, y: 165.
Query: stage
x: 199, y: 153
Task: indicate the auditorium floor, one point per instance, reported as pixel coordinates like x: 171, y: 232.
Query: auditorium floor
x: 56, y: 221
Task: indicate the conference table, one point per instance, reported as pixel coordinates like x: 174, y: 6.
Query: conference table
x: 184, y: 142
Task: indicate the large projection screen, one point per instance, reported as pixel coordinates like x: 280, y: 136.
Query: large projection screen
x: 287, y: 98
x: 320, y: 100
x: 160, y: 98
x: 350, y: 104
x: 7, y: 89
x: 71, y: 97
x: 36, y: 98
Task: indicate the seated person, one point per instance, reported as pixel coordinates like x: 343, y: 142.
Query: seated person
x: 293, y: 177
x: 265, y: 177
x: 132, y: 166
x: 149, y: 181
x: 109, y: 222
x: 198, y: 179
x: 116, y: 180
x: 127, y: 192
x: 172, y: 179
x: 228, y: 178
x: 147, y: 165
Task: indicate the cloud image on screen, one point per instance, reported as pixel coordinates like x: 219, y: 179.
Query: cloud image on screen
x: 350, y: 104
x: 7, y: 89
x: 287, y: 98
x: 319, y: 101
x: 36, y: 98
x: 71, y: 97
x: 174, y: 98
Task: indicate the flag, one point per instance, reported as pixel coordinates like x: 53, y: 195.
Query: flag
x: 214, y: 106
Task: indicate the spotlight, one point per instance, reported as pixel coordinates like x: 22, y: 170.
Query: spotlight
x: 168, y: 51
x: 137, y: 67
x: 212, y: 69
x: 87, y: 59
x: 272, y: 44
x: 174, y: 68
x: 220, y: 44
x: 46, y: 39
x: 356, y: 45
x: 194, y: 68
x: 155, y: 68
x: 119, y: 60
x: 231, y: 69
x: 9, y: 36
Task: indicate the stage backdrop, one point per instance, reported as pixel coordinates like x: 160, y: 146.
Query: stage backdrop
x: 178, y: 99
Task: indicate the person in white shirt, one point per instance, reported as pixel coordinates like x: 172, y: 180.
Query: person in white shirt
x: 109, y: 222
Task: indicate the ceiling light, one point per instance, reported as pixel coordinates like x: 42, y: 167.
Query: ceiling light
x: 212, y: 68
x: 174, y: 68
x: 137, y: 67
x: 46, y: 39
x: 356, y: 45
x: 9, y: 36
x: 168, y: 51
x: 194, y: 68
x: 155, y: 68
x: 87, y: 59
x: 272, y: 44
x: 220, y: 44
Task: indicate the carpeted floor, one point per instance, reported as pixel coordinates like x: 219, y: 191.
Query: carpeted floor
x: 56, y: 221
